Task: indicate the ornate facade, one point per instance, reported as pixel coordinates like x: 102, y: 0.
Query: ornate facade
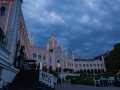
x: 21, y: 48
x: 59, y: 58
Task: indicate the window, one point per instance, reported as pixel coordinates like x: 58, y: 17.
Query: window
x: 39, y: 56
x: 43, y: 57
x: 68, y: 64
x: 34, y: 55
x: 97, y: 64
x: 0, y: 72
x: 50, y: 60
x: 64, y: 63
x: 79, y: 65
x: 83, y: 65
x: 76, y: 65
x: 1, y: 35
x: 87, y: 65
x: 100, y: 64
x: 90, y: 64
x: 58, y: 61
x: 2, y: 10
x: 94, y: 64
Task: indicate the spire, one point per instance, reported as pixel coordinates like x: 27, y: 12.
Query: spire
x: 102, y: 57
x: 52, y: 42
x: 62, y: 48
x: 52, y: 33
x: 52, y: 38
x: 31, y: 39
x: 79, y: 57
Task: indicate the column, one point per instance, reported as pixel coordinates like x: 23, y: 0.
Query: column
x: 40, y: 72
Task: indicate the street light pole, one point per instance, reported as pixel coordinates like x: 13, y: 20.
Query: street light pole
x: 58, y: 67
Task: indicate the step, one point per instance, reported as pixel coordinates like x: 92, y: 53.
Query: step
x: 28, y: 80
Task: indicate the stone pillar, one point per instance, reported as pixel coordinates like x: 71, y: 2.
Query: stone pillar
x: 52, y: 80
x: 40, y: 72
x: 66, y: 54
x: 73, y: 56
x: 31, y: 39
x: 102, y: 58
x: 47, y: 46
x: 103, y: 64
x: 62, y: 48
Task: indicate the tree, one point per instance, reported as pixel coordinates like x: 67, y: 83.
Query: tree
x: 97, y: 57
x: 59, y: 69
x: 50, y: 69
x: 112, y: 61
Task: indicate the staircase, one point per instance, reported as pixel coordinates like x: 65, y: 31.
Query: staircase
x: 28, y: 80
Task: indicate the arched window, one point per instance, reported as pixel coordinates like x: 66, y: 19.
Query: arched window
x: 2, y: 10
x: 1, y: 35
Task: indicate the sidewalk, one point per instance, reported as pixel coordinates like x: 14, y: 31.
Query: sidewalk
x: 66, y: 86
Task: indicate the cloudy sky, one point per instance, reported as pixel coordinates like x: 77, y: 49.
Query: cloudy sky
x: 88, y: 27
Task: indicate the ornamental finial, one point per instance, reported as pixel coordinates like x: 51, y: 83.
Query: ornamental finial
x: 52, y: 32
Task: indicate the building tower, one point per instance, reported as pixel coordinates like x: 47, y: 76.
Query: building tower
x: 52, y: 43
x: 31, y: 39
x: 10, y: 11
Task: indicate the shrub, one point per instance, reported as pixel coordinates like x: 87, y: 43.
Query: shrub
x: 53, y: 73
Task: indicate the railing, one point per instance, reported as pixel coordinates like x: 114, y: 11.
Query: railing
x: 55, y: 80
x: 46, y: 78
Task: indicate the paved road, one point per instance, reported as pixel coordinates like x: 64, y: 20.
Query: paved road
x: 66, y: 86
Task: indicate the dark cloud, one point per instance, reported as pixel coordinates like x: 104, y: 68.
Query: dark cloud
x: 88, y: 27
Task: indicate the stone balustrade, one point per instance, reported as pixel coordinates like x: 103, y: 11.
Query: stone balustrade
x: 46, y: 78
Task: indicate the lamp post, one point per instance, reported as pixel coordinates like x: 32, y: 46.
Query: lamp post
x: 58, y: 67
x: 40, y: 72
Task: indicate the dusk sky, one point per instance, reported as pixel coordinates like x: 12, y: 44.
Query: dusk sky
x: 88, y: 27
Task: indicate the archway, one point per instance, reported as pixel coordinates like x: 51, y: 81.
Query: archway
x: 85, y: 71
x: 102, y: 71
x: 92, y: 71
x: 2, y: 10
x: 88, y: 71
x: 81, y: 71
x: 77, y: 71
x: 99, y: 71
x: 95, y: 71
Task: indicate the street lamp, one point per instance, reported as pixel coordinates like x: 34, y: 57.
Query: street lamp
x: 58, y: 66
x: 40, y: 65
